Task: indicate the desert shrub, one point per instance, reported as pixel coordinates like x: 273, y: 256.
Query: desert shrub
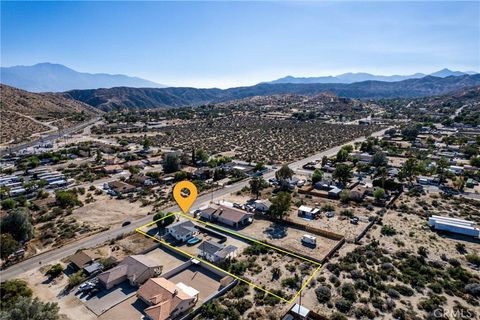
x: 338, y: 316
x: 343, y: 305
x: 323, y: 294
x: 364, y: 312
x: 348, y: 292
x: 256, y: 249
x: 473, y: 258
x: 54, y: 271
x: 388, y: 230
x: 240, y: 290
x: 431, y: 303
x: 76, y: 278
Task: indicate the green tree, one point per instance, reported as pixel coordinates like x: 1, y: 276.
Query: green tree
x: 475, y: 161
x: 8, y: 204
x: 181, y: 175
x: 18, y: 223
x: 379, y: 194
x: 146, y: 143
x: 317, y: 176
x: 11, y: 291
x: 259, y: 166
x: 98, y: 157
x: 409, y: 169
x: 76, y: 278
x: 345, y: 196
x: 54, y: 270
x: 283, y: 174
x: 172, y: 163
x: 382, y: 172
x: 66, y: 198
x: 442, y: 165
x: 342, y: 173
x: 379, y: 159
x: 8, y: 245
x: 202, y: 154
x: 161, y: 221
x: 342, y: 155
x: 280, y: 204
x: 31, y: 309
x: 257, y: 184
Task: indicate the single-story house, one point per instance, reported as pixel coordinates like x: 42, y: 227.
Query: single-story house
x: 362, y: 156
x: 141, y: 179
x: 166, y: 299
x: 111, y: 169
x: 230, y: 216
x: 324, y: 184
x: 358, y: 193
x: 155, y: 160
x: 136, y: 269
x: 121, y: 187
x: 262, y: 205
x: 428, y: 180
x: 216, y: 252
x: 182, y: 230
x: 134, y: 163
x: 456, y: 169
x: 308, y: 212
x: 82, y: 258
x: 334, y: 193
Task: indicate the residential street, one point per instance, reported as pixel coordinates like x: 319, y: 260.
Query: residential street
x: 94, y: 240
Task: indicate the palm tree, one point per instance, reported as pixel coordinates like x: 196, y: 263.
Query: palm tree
x: 382, y: 172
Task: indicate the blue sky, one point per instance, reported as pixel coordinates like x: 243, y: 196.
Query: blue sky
x: 224, y: 44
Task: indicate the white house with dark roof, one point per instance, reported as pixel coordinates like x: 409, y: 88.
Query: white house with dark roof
x: 182, y: 230
x: 216, y: 252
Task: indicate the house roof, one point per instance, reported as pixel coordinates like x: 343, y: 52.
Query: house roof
x: 182, y: 228
x: 231, y: 214
x: 120, y: 186
x: 210, y: 247
x: 113, y: 274
x: 82, y: 258
x: 131, y: 267
x: 94, y: 267
x: 164, y: 296
x: 225, y: 251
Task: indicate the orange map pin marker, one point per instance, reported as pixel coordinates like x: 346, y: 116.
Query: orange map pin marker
x: 184, y: 201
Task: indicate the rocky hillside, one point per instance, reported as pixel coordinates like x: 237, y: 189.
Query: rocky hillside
x: 143, y: 98
x: 23, y: 114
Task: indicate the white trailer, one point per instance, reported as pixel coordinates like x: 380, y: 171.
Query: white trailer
x: 458, y: 226
x: 309, y: 240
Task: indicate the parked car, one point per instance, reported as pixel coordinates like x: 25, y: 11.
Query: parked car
x: 330, y: 214
x: 126, y: 223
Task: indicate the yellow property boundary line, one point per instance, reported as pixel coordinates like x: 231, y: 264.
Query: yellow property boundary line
x: 139, y: 230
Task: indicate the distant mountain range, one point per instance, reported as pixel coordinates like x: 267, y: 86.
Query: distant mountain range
x: 361, y: 76
x: 144, y: 98
x: 50, y: 77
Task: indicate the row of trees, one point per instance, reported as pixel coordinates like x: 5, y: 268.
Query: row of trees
x: 17, y: 303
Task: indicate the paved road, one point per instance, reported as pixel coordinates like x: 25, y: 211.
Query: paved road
x: 99, y: 238
x: 49, y: 137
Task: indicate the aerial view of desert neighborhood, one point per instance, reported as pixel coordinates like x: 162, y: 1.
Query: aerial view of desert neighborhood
x: 347, y: 197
